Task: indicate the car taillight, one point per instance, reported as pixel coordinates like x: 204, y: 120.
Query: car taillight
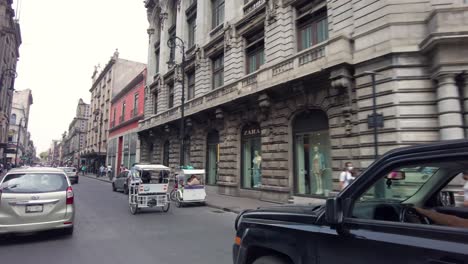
x: 69, y: 195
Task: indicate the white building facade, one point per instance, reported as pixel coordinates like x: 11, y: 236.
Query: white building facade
x: 278, y: 92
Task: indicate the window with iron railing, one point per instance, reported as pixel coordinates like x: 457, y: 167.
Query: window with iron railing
x: 255, y: 51
x: 135, y: 104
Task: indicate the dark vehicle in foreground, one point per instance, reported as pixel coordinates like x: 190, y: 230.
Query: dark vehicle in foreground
x: 376, y: 219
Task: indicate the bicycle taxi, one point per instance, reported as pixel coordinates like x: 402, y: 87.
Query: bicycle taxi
x: 189, y: 187
x: 150, y: 189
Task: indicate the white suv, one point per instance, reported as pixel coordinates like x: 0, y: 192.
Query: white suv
x: 36, y: 199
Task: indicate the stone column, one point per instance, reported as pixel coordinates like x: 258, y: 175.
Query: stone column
x: 449, y: 108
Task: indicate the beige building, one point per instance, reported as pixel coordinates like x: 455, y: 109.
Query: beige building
x: 10, y: 40
x: 278, y: 92
x: 18, y: 139
x: 75, y: 141
x: 105, y: 84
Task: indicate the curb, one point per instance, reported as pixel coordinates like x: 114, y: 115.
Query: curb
x: 90, y: 177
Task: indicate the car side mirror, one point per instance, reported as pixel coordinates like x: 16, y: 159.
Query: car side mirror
x: 396, y: 175
x: 334, y: 211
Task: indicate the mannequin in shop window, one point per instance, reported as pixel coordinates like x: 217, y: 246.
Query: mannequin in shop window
x: 257, y: 166
x: 317, y: 172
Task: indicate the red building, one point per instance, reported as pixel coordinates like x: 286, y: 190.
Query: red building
x: 127, y: 109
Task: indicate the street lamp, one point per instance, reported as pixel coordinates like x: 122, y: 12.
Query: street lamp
x: 98, y: 116
x: 9, y: 73
x: 173, y: 43
x: 18, y: 141
x: 375, y: 120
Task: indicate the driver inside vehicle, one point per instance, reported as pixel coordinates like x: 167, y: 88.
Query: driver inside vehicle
x: 415, y: 194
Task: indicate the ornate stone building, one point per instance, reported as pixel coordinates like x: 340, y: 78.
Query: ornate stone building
x: 75, y: 140
x: 10, y: 41
x: 278, y: 92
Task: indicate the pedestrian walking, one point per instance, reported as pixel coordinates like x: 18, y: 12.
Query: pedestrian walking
x: 83, y: 169
x: 101, y: 171
x: 109, y: 172
x: 347, y: 176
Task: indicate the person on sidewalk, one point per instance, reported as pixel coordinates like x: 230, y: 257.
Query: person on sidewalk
x: 347, y: 175
x: 83, y: 170
x: 101, y: 171
x: 109, y: 172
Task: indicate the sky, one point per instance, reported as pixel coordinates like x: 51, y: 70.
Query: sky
x: 62, y: 41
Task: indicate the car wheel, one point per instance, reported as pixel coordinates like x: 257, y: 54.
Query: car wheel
x: 125, y: 189
x: 68, y: 231
x: 113, y: 187
x: 270, y: 260
x: 134, y: 209
x: 166, y: 207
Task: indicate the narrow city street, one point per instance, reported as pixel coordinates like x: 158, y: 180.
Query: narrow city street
x: 106, y: 232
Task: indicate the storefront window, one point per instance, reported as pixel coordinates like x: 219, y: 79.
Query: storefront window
x: 313, y: 173
x: 212, y: 158
x: 251, y: 156
x: 166, y: 153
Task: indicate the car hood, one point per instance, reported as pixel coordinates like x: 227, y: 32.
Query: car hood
x: 286, y: 213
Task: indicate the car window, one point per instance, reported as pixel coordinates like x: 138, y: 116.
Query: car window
x: 34, y: 183
x: 402, y: 189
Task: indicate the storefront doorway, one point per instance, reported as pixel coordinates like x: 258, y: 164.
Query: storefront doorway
x: 212, y: 157
x: 312, y: 160
x: 251, y: 156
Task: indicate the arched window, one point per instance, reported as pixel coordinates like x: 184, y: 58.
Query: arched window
x: 312, y: 161
x: 166, y: 153
x: 13, y: 119
x: 251, y: 156
x: 212, y: 148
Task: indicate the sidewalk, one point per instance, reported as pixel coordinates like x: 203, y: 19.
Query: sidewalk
x: 223, y: 202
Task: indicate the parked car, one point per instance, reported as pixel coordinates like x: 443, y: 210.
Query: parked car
x: 376, y: 219
x: 120, y: 183
x: 72, y: 173
x: 36, y: 199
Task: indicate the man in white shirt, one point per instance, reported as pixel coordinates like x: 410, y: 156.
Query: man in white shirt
x: 346, y: 176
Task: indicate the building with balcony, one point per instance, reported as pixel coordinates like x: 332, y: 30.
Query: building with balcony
x: 18, y: 126
x: 127, y: 108
x: 279, y: 92
x: 106, y: 84
x: 10, y: 41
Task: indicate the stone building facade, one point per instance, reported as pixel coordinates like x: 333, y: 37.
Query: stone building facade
x: 106, y: 83
x: 75, y: 140
x: 10, y: 41
x: 280, y: 91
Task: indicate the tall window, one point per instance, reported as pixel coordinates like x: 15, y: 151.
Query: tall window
x: 135, y: 105
x: 13, y: 119
x: 218, y: 71
x: 255, y: 51
x: 312, y: 29
x: 155, y: 102
x: 190, y: 85
x: 122, y: 117
x: 172, y: 34
x: 218, y: 12
x: 192, y: 27
x: 166, y: 153
x: 113, y: 118
x: 170, y: 95
x: 157, y: 60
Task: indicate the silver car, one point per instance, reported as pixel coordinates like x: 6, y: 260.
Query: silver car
x: 36, y: 199
x: 71, y: 172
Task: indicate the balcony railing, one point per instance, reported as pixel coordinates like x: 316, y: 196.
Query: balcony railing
x: 134, y: 112
x: 303, y: 63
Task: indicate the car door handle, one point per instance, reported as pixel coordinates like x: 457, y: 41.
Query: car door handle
x: 445, y: 261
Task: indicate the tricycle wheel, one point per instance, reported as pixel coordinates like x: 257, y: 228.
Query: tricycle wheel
x: 172, y: 195
x: 134, y: 209
x: 166, y: 207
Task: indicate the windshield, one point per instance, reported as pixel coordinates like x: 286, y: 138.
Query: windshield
x: 34, y: 183
x: 400, y: 190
